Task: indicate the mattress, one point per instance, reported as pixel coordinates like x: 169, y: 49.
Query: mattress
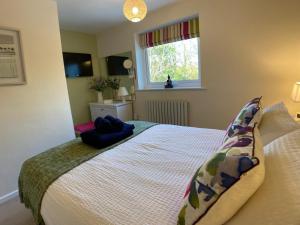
x: 140, y: 182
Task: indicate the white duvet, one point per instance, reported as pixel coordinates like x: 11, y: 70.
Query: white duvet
x: 140, y: 182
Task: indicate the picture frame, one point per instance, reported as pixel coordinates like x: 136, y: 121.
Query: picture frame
x: 12, y: 71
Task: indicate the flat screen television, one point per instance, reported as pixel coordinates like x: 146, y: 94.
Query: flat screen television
x: 78, y: 65
x: 115, y: 65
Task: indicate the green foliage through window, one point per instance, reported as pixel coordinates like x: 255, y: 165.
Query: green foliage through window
x: 179, y: 59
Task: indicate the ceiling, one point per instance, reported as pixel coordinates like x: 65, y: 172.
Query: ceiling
x: 92, y: 16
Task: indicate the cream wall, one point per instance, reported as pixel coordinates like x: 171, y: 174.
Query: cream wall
x: 36, y: 116
x: 248, y: 49
x: 80, y: 95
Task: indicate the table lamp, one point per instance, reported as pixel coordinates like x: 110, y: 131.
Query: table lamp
x: 122, y: 92
x: 296, y: 95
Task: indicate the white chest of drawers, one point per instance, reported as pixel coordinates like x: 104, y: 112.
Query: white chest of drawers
x: 121, y: 110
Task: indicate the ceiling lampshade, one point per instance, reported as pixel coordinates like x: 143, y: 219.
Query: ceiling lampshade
x: 296, y: 92
x: 135, y: 10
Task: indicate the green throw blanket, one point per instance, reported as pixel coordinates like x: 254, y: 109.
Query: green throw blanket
x: 39, y: 172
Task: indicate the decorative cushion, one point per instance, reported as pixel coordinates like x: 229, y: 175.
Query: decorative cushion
x: 248, y: 116
x: 225, y: 182
x: 81, y: 128
x: 276, y: 122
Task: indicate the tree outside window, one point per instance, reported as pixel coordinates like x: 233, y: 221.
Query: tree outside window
x: 179, y: 59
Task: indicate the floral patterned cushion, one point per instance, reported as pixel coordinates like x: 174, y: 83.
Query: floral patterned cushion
x: 249, y: 115
x: 220, y: 173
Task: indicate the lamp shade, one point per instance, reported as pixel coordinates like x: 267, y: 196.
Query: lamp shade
x: 296, y: 92
x: 122, y: 92
x: 135, y: 10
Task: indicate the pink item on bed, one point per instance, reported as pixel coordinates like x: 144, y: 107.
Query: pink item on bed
x: 80, y: 128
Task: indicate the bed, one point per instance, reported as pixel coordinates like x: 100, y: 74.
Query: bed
x: 142, y: 181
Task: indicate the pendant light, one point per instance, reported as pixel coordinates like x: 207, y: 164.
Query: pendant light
x: 135, y: 10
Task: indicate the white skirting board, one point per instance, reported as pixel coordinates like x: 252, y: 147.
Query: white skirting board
x: 8, y: 196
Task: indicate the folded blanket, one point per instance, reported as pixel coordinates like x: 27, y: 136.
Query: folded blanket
x: 101, y: 140
x: 109, y: 124
x: 115, y: 122
x: 105, y: 126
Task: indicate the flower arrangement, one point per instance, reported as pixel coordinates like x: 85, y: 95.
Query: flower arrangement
x: 113, y: 83
x: 98, y: 84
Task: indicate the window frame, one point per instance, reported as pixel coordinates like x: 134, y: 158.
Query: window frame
x: 177, y: 84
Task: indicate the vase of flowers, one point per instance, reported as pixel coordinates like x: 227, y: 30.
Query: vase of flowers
x: 98, y: 85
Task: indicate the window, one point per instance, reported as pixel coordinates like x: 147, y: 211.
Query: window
x: 172, y: 50
x: 179, y: 59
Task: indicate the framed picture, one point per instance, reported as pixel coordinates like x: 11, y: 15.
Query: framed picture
x: 11, y: 58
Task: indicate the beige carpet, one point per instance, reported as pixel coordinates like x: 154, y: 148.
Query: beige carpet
x: 14, y: 213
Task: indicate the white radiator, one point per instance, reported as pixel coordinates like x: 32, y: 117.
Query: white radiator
x: 168, y: 112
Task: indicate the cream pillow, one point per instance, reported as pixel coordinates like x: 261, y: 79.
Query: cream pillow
x: 276, y: 122
x: 223, y: 184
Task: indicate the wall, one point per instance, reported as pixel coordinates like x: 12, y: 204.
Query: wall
x: 248, y: 49
x: 80, y: 95
x: 36, y: 116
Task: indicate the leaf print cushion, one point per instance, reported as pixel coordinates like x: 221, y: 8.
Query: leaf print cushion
x: 248, y: 116
x: 224, y: 182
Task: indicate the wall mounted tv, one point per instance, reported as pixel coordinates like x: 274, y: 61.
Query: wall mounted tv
x: 115, y: 65
x: 78, y: 65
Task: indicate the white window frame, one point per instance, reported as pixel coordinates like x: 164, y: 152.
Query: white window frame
x: 160, y: 85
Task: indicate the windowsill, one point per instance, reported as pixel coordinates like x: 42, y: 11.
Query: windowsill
x: 173, y: 89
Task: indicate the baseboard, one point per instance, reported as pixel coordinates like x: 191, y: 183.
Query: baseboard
x: 8, y: 196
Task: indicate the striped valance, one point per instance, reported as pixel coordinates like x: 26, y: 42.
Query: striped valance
x: 181, y: 31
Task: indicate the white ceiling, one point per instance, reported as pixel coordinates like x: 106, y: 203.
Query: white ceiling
x: 92, y: 16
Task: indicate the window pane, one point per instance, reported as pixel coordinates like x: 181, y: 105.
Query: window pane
x: 180, y: 60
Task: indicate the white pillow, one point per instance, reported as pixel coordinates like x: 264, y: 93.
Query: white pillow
x: 276, y: 122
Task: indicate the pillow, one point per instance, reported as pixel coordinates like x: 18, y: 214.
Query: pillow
x: 276, y: 122
x: 225, y: 182
x: 266, y: 207
x: 81, y: 128
x: 248, y: 116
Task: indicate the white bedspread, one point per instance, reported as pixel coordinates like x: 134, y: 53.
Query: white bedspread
x: 140, y: 182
